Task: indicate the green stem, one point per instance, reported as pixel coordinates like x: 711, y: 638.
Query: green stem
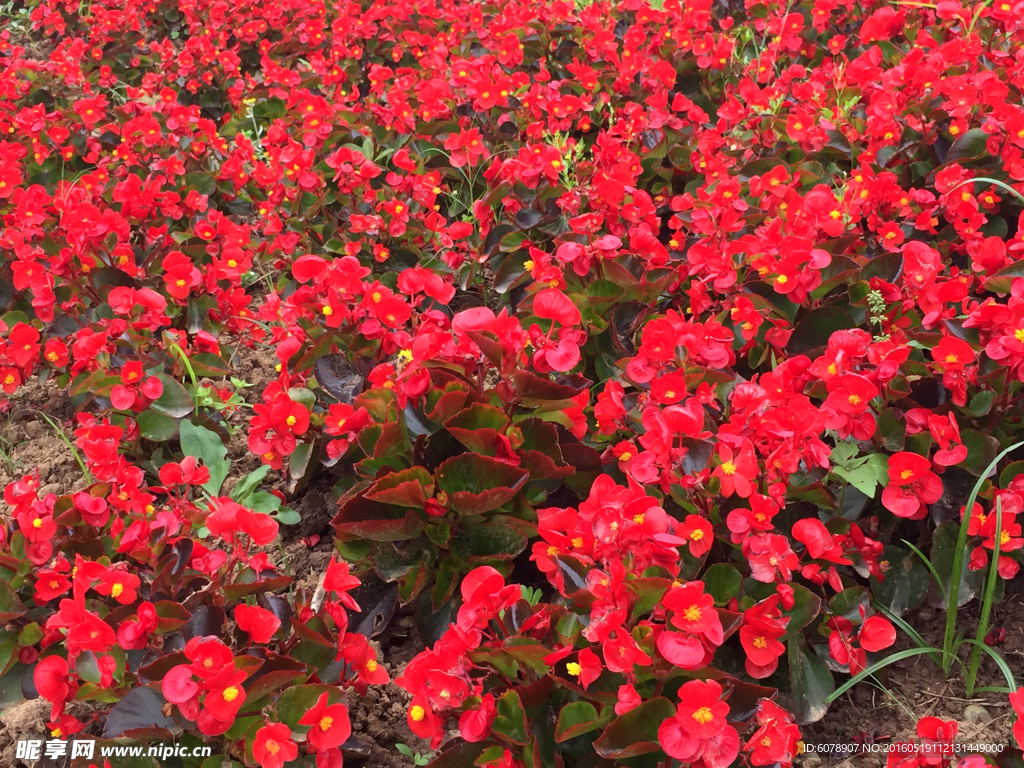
x: 1001, y: 184
x: 986, y: 605
x: 78, y: 457
x: 175, y: 348
x: 953, y: 599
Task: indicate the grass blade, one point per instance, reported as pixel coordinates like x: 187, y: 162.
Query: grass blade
x: 953, y: 600
x: 898, y: 656
x: 986, y: 603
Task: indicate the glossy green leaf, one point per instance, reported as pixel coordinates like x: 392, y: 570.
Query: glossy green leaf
x: 811, y: 683
x: 156, y: 426
x: 174, y: 401
x: 635, y: 732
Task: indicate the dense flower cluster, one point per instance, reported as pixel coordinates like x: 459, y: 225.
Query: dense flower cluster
x: 685, y: 315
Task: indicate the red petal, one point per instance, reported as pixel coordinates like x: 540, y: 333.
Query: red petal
x: 877, y: 634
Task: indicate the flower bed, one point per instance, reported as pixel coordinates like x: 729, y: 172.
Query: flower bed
x: 660, y: 362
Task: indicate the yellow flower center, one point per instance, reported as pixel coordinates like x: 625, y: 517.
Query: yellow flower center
x: 760, y: 642
x: 1019, y: 334
x: 906, y: 473
x: 703, y: 715
x: 290, y: 421
x: 693, y: 613
x: 697, y: 534
x: 729, y: 468
x: 326, y: 722
x: 37, y: 523
x: 854, y: 399
x: 117, y: 589
x: 230, y: 694
x: 417, y: 713
x: 573, y: 669
x: 272, y: 747
x: 638, y: 519
x: 782, y: 280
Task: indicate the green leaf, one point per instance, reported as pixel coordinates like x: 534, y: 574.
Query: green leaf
x: 510, y: 720
x: 207, y: 446
x: 476, y: 484
x: 488, y: 540
x: 244, y: 488
x: 870, y: 472
x: 636, y: 732
x: 296, y: 702
x: 844, y: 453
x: 893, y: 434
x: 287, y: 516
x: 811, y: 682
x: 204, y: 183
x: 407, y: 488
x: 156, y: 426
x: 806, y: 607
x: 209, y: 365
x: 848, y: 603
x: 174, y: 401
x: 723, y: 582
x: 1002, y: 281
x: 575, y: 719
x: 1012, y: 470
x: 906, y: 582
x: 968, y: 147
x: 812, y: 333
x: 11, y: 606
x: 981, y: 450
x: 981, y: 403
x: 944, y: 549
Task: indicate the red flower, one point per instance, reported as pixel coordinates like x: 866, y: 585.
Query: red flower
x: 180, y: 275
x: 475, y: 724
x: 763, y: 625
x: 692, y: 610
x: 120, y: 585
x: 423, y: 722
x: 273, y: 746
x: 737, y: 470
x: 331, y: 726
x: 698, y: 533
x: 552, y: 304
x: 209, y: 656
x: 586, y: 669
x: 260, y: 624
x: 1017, y: 702
x: 912, y: 485
x: 90, y: 634
x: 699, y: 729
x: 224, y: 702
x: 877, y: 633
x: 178, y: 685
x: 952, y: 354
x: 51, y: 680
x: 775, y: 740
